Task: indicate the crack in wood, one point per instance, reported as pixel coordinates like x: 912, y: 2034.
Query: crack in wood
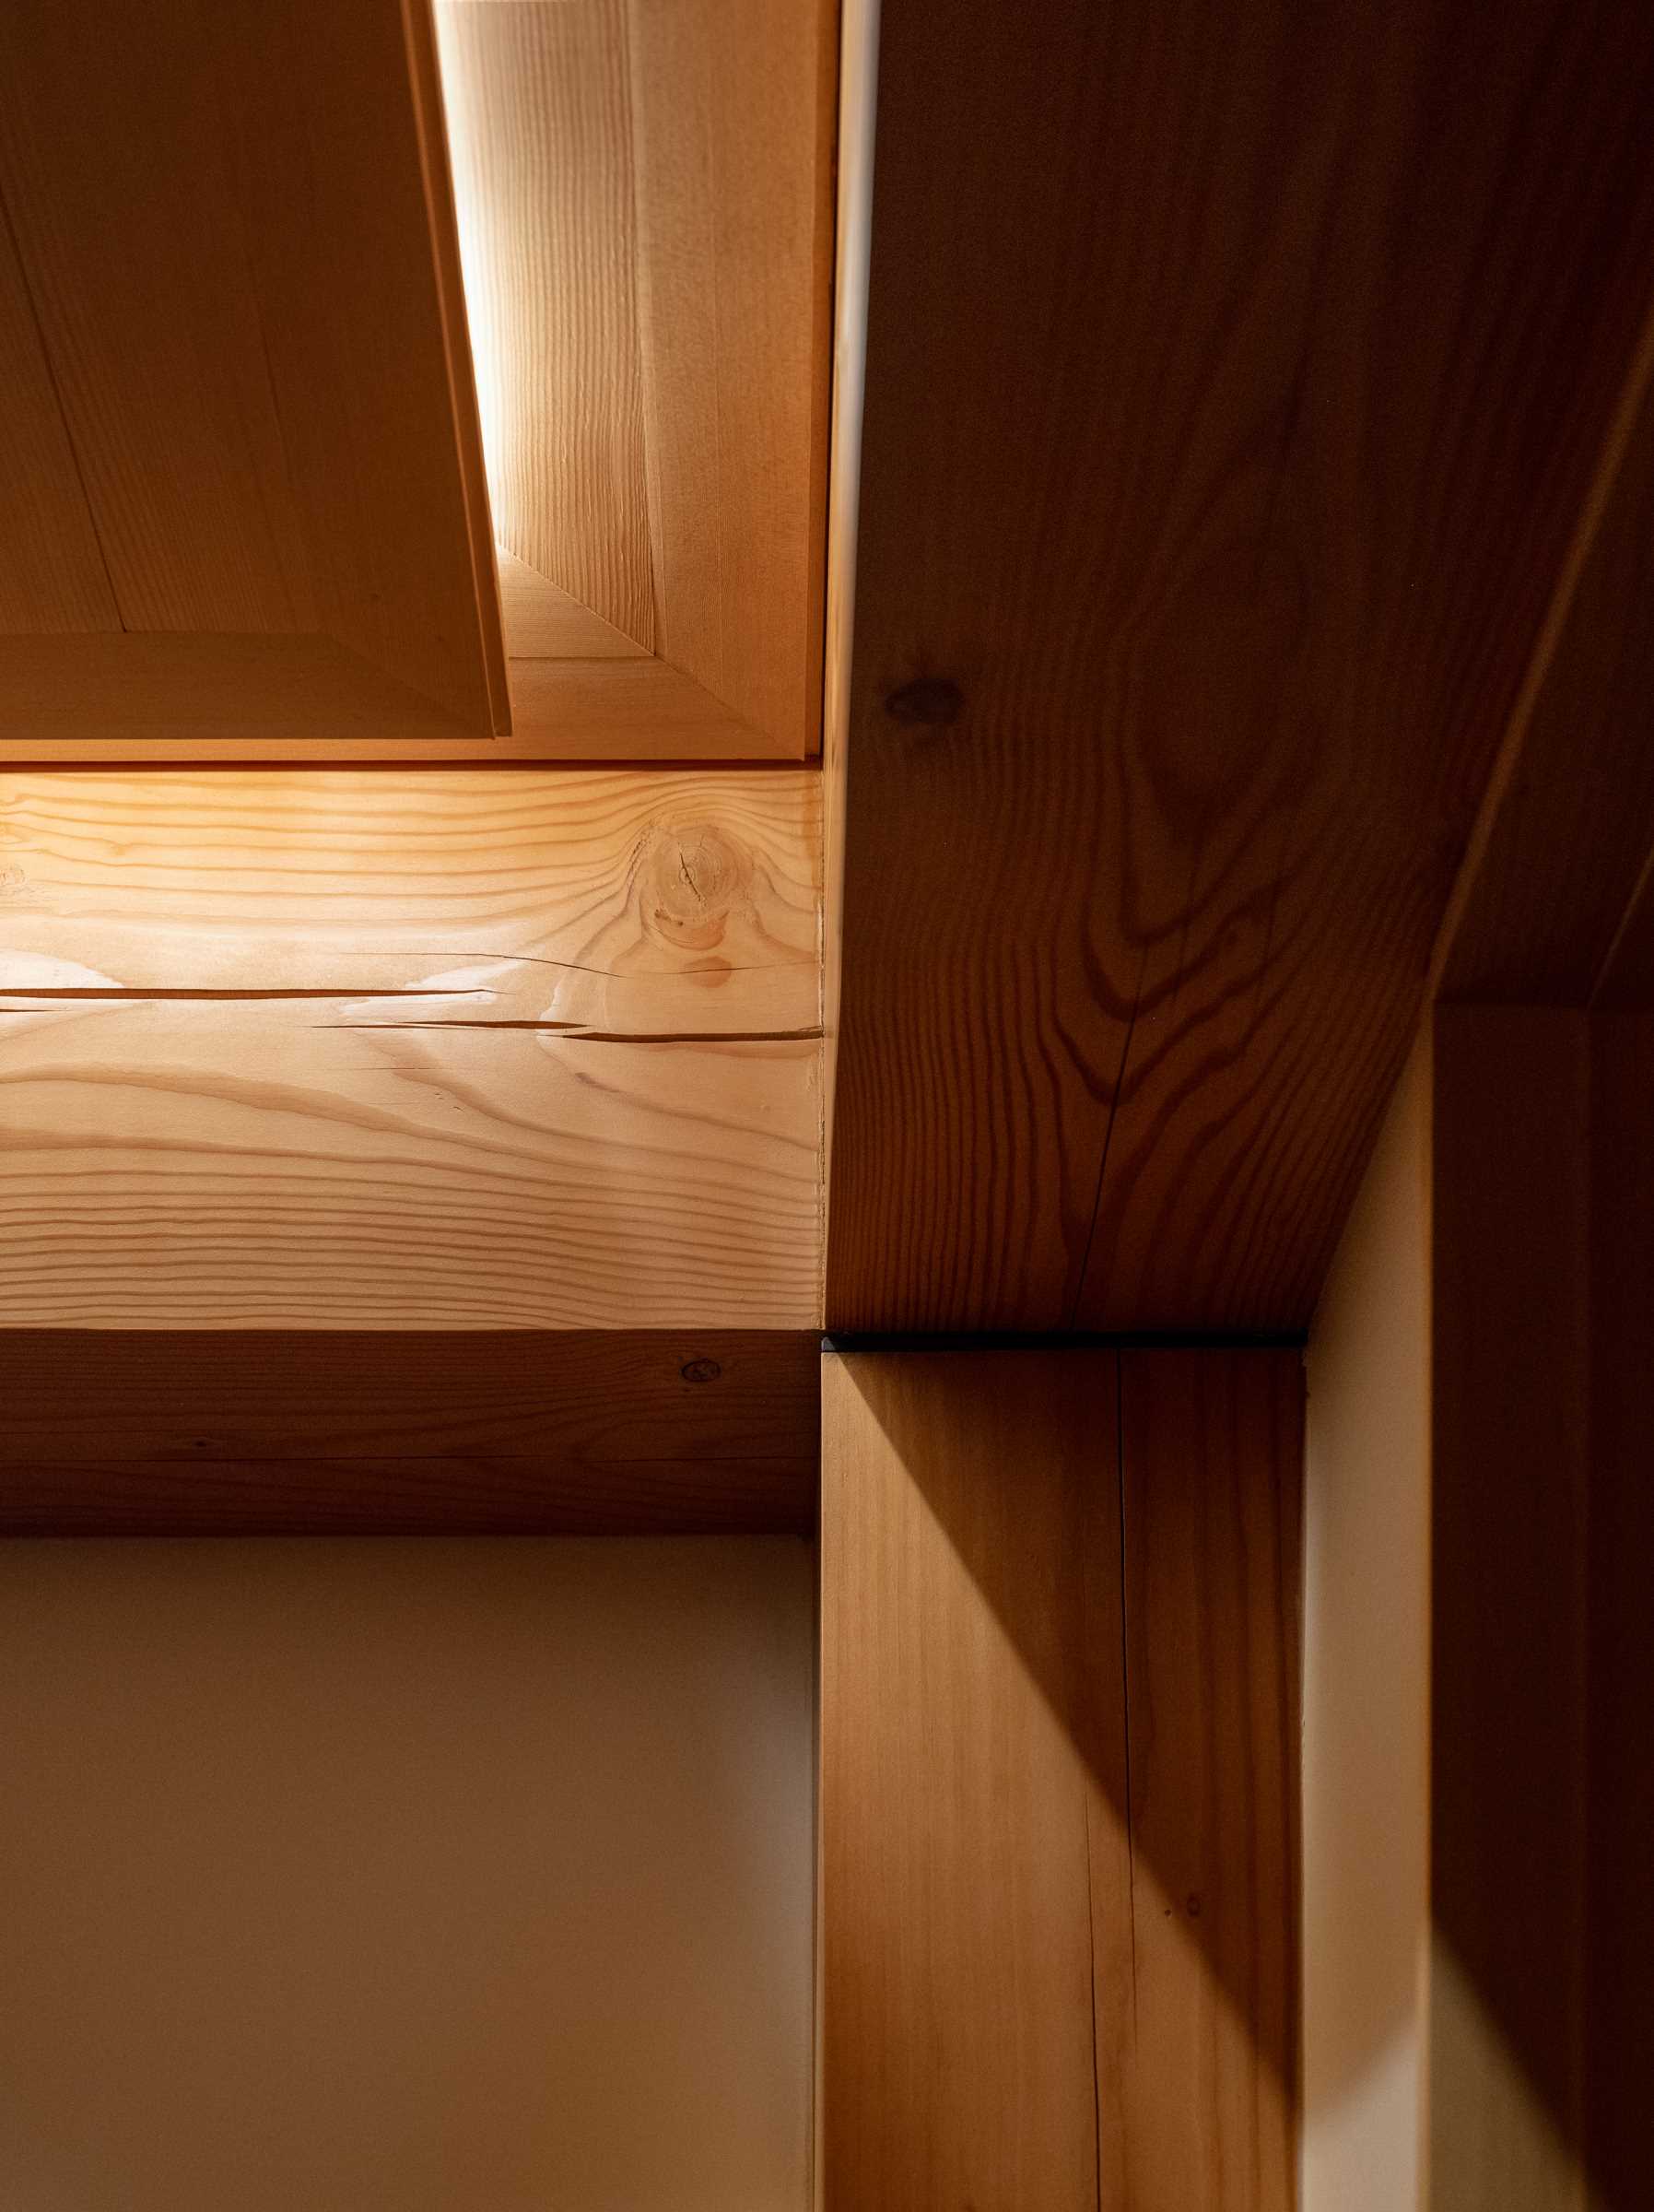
x: 573, y: 1032
x: 137, y: 993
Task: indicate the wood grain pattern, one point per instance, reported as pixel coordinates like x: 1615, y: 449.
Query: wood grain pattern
x: 733, y: 116
x: 210, y: 1431
x: 52, y: 572
x: 645, y: 208
x: 282, y: 701
x: 1542, y: 1655
x: 335, y: 122
x: 1619, y: 2056
x: 1201, y: 558
x: 116, y: 170
x: 166, y: 695
x: 972, y: 1762
x: 539, y: 118
x: 1511, y: 1421
x: 513, y: 1049
x: 543, y: 623
x: 230, y: 233
x: 1212, y: 1453
x: 1058, y: 1780
x: 1571, y: 837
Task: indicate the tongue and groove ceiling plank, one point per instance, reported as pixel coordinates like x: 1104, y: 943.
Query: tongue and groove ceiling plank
x: 52, y: 570
x: 1235, y: 388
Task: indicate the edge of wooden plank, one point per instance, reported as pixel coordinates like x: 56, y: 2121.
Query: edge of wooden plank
x: 419, y: 38
x: 624, y: 710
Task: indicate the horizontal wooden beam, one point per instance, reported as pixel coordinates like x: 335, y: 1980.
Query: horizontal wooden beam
x: 1218, y: 468
x: 528, y: 1048
x: 1544, y: 911
x: 211, y: 1431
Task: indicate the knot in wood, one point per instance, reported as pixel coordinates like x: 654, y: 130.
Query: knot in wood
x: 928, y: 702
x: 701, y: 1371
x: 693, y: 878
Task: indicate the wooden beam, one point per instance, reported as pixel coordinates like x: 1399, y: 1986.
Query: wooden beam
x: 212, y: 1433
x: 1542, y: 1661
x: 520, y: 1048
x: 1059, y: 1779
x: 1219, y: 466
x: 1567, y: 837
x: 1619, y: 2052
x: 1511, y: 1473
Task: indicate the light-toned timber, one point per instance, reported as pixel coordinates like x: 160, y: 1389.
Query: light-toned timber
x: 244, y: 440
x: 1196, y: 582
x: 520, y: 1048
x: 733, y: 116
x: 192, y: 1432
x: 230, y: 231
x: 139, y: 273
x: 544, y: 622
x: 1058, y: 1780
x: 644, y: 194
x: 1212, y: 1461
x: 539, y: 120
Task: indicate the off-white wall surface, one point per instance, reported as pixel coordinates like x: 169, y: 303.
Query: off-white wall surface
x: 1366, y: 1686
x: 406, y: 1877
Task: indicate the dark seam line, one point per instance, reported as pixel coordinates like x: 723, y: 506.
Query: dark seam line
x: 1071, y: 1340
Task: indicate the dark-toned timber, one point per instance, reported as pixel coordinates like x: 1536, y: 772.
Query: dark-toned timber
x: 199, y: 1432
x: 1234, y: 385
x: 1570, y: 836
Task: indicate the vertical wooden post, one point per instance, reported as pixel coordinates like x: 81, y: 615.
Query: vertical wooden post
x: 1058, y: 1780
x: 1541, y: 1804
x: 1508, y: 1599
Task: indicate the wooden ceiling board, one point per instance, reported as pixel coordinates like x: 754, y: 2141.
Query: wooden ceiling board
x: 52, y: 572
x: 539, y: 121
x: 226, y: 263
x: 343, y: 168
x: 645, y: 207
x: 116, y: 173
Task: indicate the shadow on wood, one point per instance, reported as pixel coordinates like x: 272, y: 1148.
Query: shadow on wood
x: 1058, y: 1783
x: 399, y: 1431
